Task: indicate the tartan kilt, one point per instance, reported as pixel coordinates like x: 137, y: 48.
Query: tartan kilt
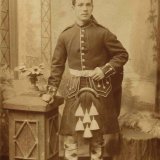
x: 107, y: 113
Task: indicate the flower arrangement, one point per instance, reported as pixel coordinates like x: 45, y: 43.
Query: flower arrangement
x: 32, y: 73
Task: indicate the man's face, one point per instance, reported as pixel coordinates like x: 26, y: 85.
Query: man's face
x: 83, y: 10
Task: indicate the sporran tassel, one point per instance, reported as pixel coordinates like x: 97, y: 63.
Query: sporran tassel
x: 86, y: 118
x: 93, y: 111
x: 94, y: 125
x: 79, y: 125
x: 79, y: 111
x: 87, y: 132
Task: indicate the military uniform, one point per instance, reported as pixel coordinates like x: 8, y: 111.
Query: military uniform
x: 89, y: 101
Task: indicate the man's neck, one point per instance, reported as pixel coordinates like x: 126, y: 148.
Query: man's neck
x: 82, y: 23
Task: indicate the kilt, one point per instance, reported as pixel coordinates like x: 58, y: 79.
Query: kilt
x: 107, y: 113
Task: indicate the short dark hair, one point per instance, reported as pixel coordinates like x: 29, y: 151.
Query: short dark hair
x: 74, y: 2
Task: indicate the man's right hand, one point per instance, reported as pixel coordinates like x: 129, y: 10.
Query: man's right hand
x: 97, y: 74
x: 48, y: 98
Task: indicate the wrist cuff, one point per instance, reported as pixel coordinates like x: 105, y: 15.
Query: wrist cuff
x: 108, y: 70
x: 51, y: 90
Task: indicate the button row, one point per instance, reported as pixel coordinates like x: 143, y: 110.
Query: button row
x: 82, y: 35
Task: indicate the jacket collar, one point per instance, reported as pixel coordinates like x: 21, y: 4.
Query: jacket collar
x: 86, y: 25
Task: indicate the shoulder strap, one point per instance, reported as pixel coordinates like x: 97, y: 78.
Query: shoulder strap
x: 68, y: 27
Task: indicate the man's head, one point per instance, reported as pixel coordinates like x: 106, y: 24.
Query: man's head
x: 83, y: 9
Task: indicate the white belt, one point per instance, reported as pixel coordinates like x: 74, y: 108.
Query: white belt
x: 83, y: 73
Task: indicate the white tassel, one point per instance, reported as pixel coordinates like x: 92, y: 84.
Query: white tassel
x: 79, y: 111
x: 86, y: 118
x: 93, y: 111
x: 87, y: 132
x: 94, y: 125
x: 79, y: 125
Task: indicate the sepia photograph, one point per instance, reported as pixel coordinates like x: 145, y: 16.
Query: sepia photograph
x: 79, y: 80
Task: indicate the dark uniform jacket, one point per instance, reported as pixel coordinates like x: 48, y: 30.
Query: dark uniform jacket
x: 86, y: 48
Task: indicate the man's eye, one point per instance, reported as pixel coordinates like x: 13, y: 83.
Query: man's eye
x: 89, y: 4
x: 81, y: 5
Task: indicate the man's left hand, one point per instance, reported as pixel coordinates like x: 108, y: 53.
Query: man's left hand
x: 97, y: 74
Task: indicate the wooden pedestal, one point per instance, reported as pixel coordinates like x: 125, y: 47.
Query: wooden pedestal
x: 33, y: 126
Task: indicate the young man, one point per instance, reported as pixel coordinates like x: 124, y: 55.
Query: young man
x: 95, y: 59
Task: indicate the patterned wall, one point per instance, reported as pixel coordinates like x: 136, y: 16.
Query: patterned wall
x: 46, y: 31
x: 46, y: 43
x: 4, y: 32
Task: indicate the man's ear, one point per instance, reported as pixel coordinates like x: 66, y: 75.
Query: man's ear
x: 73, y: 9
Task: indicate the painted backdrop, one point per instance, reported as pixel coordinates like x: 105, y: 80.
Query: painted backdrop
x: 128, y: 20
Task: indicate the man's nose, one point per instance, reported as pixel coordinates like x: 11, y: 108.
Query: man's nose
x: 85, y: 8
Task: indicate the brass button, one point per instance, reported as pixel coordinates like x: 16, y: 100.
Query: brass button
x: 82, y: 54
x: 82, y: 35
x: 82, y: 48
x: 107, y: 82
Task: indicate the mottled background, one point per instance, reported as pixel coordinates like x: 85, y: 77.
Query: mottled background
x: 125, y: 18
x: 128, y: 20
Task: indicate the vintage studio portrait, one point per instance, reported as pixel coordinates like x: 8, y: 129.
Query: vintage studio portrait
x: 79, y: 80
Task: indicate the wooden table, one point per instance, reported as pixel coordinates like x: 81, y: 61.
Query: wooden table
x: 33, y: 126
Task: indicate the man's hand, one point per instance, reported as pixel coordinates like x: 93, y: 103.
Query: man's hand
x: 97, y: 74
x: 48, y: 98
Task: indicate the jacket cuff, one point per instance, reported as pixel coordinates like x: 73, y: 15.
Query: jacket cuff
x: 52, y: 90
x: 108, y: 70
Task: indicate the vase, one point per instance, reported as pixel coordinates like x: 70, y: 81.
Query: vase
x: 33, y: 88
x: 33, y: 81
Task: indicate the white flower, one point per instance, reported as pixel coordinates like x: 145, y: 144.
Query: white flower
x: 36, y: 70
x: 21, y: 68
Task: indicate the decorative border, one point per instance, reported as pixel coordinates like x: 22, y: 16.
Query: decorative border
x: 9, y: 32
x: 4, y: 33
x: 46, y: 43
x: 22, y: 124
